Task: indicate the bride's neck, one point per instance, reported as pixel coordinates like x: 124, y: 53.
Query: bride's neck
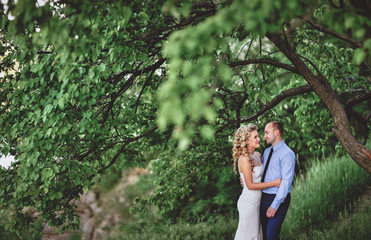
x: 251, y: 151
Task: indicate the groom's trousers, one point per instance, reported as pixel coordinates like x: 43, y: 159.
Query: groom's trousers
x: 272, y: 226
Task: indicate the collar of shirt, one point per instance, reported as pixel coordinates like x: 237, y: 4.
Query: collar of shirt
x: 278, y: 145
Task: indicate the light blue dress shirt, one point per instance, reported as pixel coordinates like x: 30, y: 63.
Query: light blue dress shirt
x: 282, y: 165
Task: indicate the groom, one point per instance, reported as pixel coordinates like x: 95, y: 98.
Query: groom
x: 278, y: 162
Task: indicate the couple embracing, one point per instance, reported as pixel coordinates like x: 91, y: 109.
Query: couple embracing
x: 266, y: 181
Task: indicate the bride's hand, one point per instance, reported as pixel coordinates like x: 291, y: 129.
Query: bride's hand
x: 277, y: 182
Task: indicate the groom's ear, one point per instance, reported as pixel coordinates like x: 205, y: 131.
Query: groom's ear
x: 276, y: 132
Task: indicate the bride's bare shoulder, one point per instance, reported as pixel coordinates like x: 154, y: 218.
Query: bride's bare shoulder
x: 243, y: 158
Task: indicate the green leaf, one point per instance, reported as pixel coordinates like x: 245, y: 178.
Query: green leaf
x: 207, y: 131
x: 349, y: 22
x: 143, y: 16
x: 224, y: 72
x: 359, y: 56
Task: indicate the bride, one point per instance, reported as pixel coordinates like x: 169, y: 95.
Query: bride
x: 250, y: 168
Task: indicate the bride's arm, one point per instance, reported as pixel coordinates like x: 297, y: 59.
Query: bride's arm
x: 245, y: 167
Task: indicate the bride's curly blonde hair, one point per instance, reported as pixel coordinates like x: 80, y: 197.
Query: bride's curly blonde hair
x: 239, y: 144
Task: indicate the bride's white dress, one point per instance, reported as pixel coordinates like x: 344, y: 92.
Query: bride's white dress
x: 249, y: 227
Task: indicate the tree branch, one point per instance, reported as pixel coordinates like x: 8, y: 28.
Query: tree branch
x: 312, y: 64
x: 266, y: 61
x: 124, y: 146
x: 323, y: 29
x: 44, y: 52
x: 144, y: 86
x: 127, y: 84
x: 122, y: 74
x: 195, y: 169
x: 358, y: 99
x: 279, y: 98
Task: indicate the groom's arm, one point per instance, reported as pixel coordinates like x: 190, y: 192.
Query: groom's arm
x: 287, y: 173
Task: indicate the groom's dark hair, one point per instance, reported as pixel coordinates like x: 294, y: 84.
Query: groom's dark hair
x: 278, y: 125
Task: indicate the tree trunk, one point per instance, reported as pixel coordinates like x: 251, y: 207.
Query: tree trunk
x: 358, y: 152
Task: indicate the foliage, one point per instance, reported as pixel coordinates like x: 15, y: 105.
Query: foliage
x: 7, y: 235
x: 326, y: 195
x: 32, y: 233
x: 326, y: 189
x: 109, y: 180
x: 91, y: 85
x: 222, y: 227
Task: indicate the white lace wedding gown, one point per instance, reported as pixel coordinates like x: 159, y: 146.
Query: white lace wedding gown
x: 249, y: 227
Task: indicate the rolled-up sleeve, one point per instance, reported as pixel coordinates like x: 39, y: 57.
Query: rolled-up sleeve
x: 287, y: 165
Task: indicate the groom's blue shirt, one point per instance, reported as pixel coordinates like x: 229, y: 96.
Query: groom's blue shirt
x: 282, y: 165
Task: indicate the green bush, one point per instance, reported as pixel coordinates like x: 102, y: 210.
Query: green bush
x: 7, y: 235
x: 32, y: 233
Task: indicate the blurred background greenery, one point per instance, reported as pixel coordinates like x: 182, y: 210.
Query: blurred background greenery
x: 330, y: 200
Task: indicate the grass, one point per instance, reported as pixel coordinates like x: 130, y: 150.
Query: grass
x: 350, y: 224
x: 215, y: 228
x: 329, y: 187
x: 355, y: 227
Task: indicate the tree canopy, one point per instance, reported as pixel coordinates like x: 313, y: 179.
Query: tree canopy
x: 91, y: 85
